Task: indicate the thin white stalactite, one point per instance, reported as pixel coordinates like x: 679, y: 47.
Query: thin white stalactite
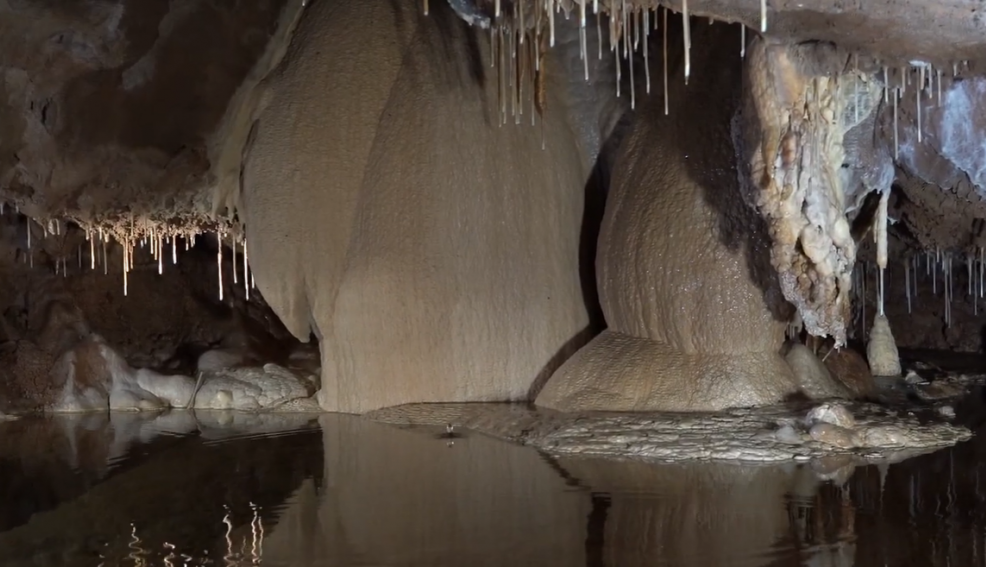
x: 126, y: 258
x: 664, y: 29
x: 633, y: 86
x: 599, y: 36
x: 939, y: 87
x: 551, y: 21
x: 688, y: 38
x: 907, y: 283
x: 742, y: 41
x: 886, y: 86
x: 160, y: 257
x: 233, y: 246
x: 246, y: 268
x: 917, y: 102
x: 92, y: 253
x: 219, y: 262
x: 646, y: 50
x: 896, y: 145
x: 763, y: 16
x: 174, y: 250
x: 881, y: 244
x: 106, y: 264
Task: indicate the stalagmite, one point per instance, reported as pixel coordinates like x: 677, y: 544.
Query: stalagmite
x: 686, y: 22
x: 882, y: 350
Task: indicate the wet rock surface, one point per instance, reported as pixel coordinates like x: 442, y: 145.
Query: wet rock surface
x: 857, y: 431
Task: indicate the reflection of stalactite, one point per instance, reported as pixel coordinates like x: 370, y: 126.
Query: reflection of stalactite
x: 595, y: 530
x: 251, y: 548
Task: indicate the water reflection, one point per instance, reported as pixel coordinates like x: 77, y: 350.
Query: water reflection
x: 234, y: 489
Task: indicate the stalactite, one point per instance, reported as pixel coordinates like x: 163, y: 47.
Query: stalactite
x: 246, y: 268
x: 907, y: 283
x: 917, y: 103
x: 233, y: 256
x: 742, y: 41
x: 633, y: 86
x: 664, y: 51
x: 126, y: 258
x: 881, y: 245
x: 688, y: 38
x: 896, y: 145
x: 219, y: 262
x: 551, y: 22
x: 646, y: 26
x: 763, y: 16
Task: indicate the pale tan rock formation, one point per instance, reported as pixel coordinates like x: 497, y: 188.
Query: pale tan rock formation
x: 432, y: 252
x: 696, y: 319
x: 811, y: 375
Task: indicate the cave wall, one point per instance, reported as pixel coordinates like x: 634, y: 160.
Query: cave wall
x: 107, y: 107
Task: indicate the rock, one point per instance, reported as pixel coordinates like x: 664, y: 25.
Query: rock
x: 947, y: 411
x: 812, y: 376
x: 913, y: 377
x: 833, y: 435
x: 883, y: 436
x: 787, y: 434
x: 219, y: 359
x: 882, y: 350
x: 835, y: 414
x: 850, y: 368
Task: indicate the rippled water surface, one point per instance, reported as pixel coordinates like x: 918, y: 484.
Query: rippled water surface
x: 226, y: 489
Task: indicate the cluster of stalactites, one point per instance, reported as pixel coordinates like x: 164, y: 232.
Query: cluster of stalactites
x: 925, y: 81
x: 520, y: 38
x: 132, y: 234
x: 937, y: 265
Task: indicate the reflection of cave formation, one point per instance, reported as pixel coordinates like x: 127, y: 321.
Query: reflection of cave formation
x: 199, y: 189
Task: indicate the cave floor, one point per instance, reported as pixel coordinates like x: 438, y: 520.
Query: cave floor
x: 223, y: 488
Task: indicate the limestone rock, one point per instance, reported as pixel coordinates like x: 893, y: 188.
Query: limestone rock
x: 833, y: 435
x: 811, y: 375
x: 693, y: 307
x: 835, y: 414
x: 433, y: 253
x: 881, y: 351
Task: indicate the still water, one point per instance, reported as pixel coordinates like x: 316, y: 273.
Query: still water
x: 230, y: 490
